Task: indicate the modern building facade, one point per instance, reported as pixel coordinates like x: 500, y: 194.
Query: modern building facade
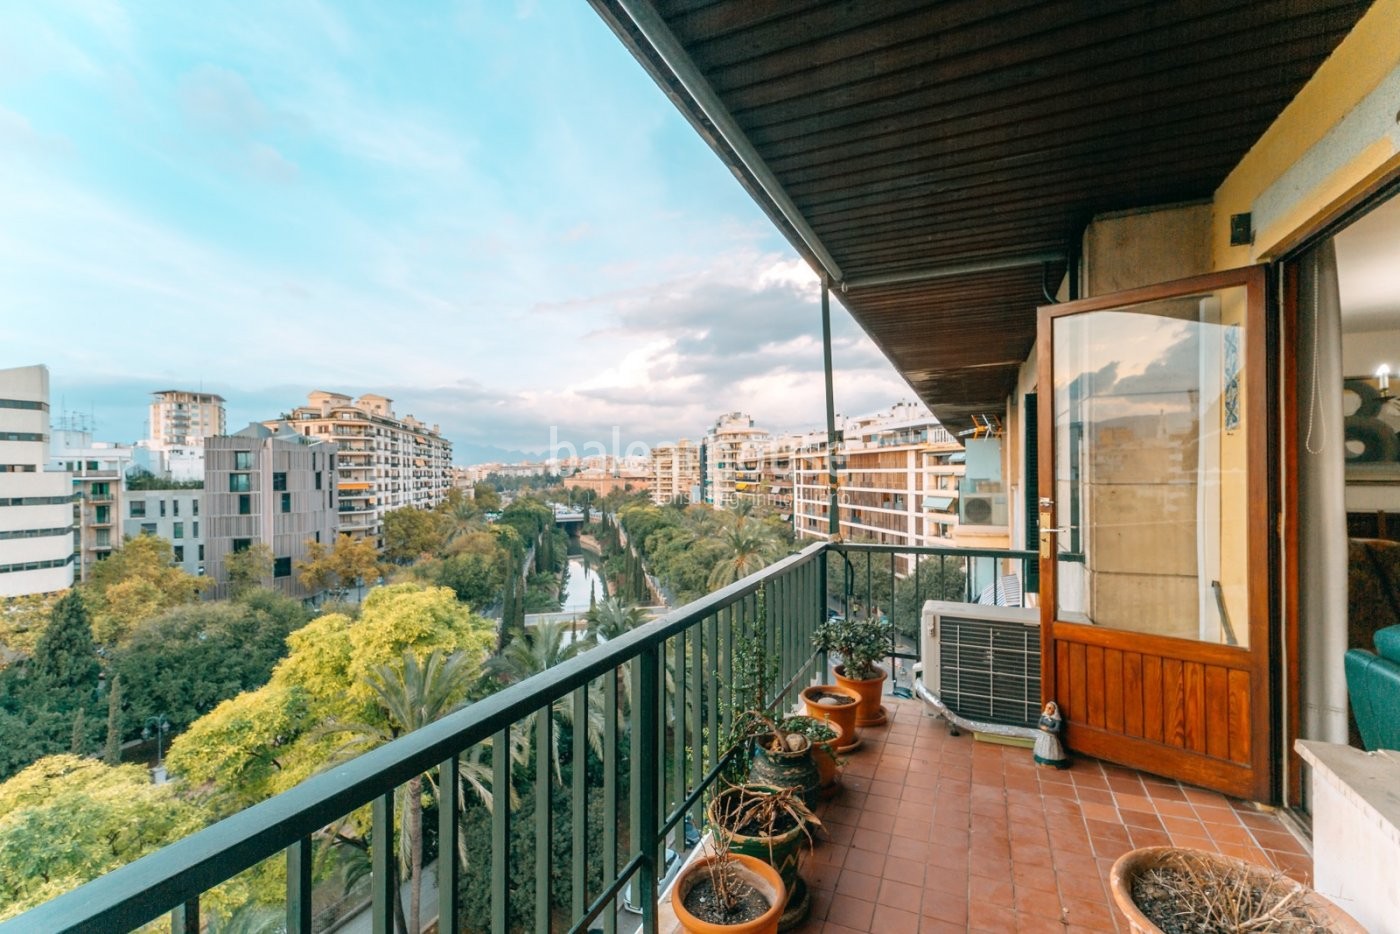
x: 175, y: 515
x: 675, y: 472
x: 731, y: 434
x: 383, y: 462
x: 275, y: 487
x: 36, y: 503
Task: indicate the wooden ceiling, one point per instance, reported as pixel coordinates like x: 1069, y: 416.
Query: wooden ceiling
x: 965, y: 144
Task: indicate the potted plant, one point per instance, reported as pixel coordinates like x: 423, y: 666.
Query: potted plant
x: 861, y: 644
x: 782, y: 758
x: 728, y: 893
x: 825, y: 736
x: 771, y: 824
x: 1162, y: 888
x: 835, y: 705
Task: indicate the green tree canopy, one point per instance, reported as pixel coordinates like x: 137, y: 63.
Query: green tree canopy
x: 249, y: 568
x: 65, y: 659
x: 138, y: 581
x: 411, y: 533
x: 66, y: 820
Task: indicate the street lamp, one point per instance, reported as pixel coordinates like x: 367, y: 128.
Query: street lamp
x: 157, y: 726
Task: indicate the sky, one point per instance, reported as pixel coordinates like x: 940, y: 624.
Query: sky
x: 483, y: 210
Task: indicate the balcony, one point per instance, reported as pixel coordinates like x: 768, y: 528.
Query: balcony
x: 932, y: 831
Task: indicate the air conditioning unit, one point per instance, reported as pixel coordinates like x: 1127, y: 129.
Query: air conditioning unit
x: 982, y: 509
x: 982, y: 663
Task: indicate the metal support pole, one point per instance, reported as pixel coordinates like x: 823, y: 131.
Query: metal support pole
x: 833, y: 517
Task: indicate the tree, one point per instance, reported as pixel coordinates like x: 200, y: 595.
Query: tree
x: 486, y: 497
x: 411, y: 695
x: 746, y: 547
x: 349, y: 562
x: 249, y: 568
x: 611, y: 618
x: 138, y: 581
x: 22, y: 622
x: 66, y: 820
x: 411, y: 533
x: 112, y: 750
x: 65, y: 660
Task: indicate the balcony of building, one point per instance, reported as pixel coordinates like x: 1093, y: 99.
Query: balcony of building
x: 930, y: 832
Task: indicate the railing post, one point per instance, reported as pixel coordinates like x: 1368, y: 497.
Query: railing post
x: 384, y: 864
x: 449, y: 826
x: 823, y: 669
x: 647, y: 704
x: 299, y: 887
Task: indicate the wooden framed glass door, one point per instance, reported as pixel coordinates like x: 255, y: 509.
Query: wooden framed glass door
x: 1154, y: 528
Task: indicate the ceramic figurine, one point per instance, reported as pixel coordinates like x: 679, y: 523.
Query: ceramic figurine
x: 1049, y: 752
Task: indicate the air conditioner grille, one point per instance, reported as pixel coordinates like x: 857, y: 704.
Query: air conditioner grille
x: 990, y: 670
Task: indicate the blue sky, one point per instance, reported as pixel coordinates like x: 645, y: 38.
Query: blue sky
x: 486, y: 211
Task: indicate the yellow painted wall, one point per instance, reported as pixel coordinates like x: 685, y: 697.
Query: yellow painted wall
x: 1365, y: 58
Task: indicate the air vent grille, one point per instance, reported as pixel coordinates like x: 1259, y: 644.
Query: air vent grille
x: 990, y: 670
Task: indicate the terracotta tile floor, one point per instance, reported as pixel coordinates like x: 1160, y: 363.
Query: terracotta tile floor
x: 937, y: 833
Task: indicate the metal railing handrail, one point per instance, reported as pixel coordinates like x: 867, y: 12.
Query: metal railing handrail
x: 172, y: 876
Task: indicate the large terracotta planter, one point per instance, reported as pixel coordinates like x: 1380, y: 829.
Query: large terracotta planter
x: 869, y: 712
x: 1131, y: 864
x: 755, y: 872
x: 782, y: 851
x: 842, y: 717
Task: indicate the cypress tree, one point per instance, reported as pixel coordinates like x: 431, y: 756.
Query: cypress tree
x: 65, y: 659
x: 78, y: 744
x: 112, y: 753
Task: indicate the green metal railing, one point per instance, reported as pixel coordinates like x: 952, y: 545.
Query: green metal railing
x: 654, y: 705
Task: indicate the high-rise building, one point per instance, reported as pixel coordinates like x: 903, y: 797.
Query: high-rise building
x: 36, y: 503
x: 275, y: 487
x: 383, y: 462
x: 179, y: 422
x: 724, y: 443
x: 675, y: 472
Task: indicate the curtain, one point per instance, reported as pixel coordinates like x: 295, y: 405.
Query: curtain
x: 1322, y: 500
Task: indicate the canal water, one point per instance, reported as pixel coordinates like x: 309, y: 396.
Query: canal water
x: 581, y: 584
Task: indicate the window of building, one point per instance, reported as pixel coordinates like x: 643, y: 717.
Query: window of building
x: 239, y: 482
x: 286, y: 502
x: 102, y: 515
x: 179, y: 554
x: 201, y: 552
x: 176, y: 506
x: 148, y: 528
x: 179, y: 530
x: 318, y: 479
x: 279, y: 480
x: 162, y: 508
x: 195, y: 532
x: 194, y: 507
x: 242, y: 544
x: 245, y: 505
x: 104, y: 538
x: 242, y: 460
x: 282, y: 567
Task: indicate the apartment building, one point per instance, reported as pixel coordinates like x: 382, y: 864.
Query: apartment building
x: 180, y: 420
x: 270, y: 485
x: 898, y: 475
x: 675, y: 472
x: 36, y: 503
x: 725, y: 442
x: 171, y: 513
x: 383, y: 462
x: 99, y: 471
x: 763, y: 473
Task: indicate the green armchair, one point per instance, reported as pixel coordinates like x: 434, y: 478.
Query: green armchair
x: 1373, y: 683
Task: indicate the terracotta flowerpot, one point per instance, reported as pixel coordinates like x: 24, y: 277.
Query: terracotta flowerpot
x: 753, y: 871
x: 782, y: 851
x: 824, y: 757
x: 869, y: 712
x: 787, y: 768
x: 842, y: 717
x: 1135, y: 862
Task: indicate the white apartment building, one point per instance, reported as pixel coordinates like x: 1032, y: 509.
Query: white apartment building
x: 383, y: 462
x: 897, y: 476
x: 675, y: 472
x: 171, y: 514
x: 36, y: 503
x: 731, y: 434
x: 275, y: 487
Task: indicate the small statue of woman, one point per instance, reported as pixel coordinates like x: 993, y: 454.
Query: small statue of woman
x: 1049, y: 752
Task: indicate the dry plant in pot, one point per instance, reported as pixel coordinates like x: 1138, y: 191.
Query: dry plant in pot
x: 771, y: 824
x: 1175, y: 890
x: 728, y: 893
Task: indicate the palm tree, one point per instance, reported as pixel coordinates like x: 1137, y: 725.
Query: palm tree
x: 535, y: 650
x: 611, y: 618
x: 412, y: 695
x: 747, y: 547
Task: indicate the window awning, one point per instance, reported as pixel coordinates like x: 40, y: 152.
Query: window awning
x: 938, y: 503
